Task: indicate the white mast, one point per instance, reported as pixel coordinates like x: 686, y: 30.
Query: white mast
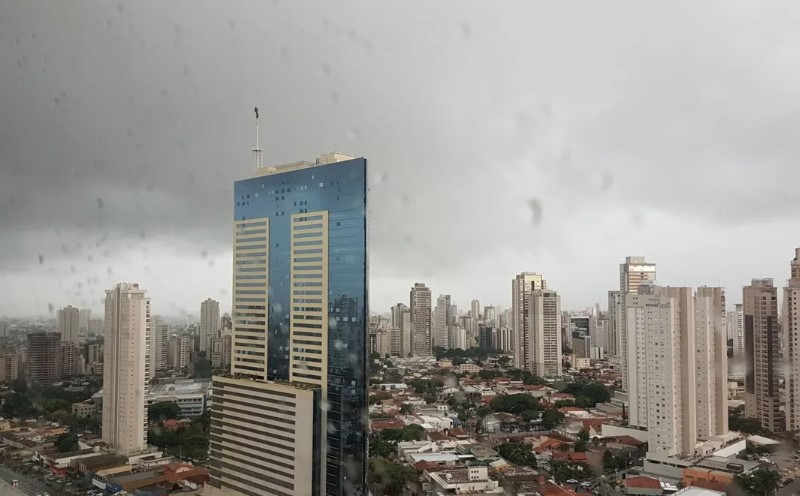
x: 258, y: 153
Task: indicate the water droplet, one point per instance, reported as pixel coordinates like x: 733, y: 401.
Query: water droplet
x: 607, y: 181
x: 353, y: 134
x: 100, y: 203
x: 326, y: 69
x: 41, y: 259
x: 109, y: 270
x: 332, y: 324
x: 466, y: 29
x: 536, y: 210
x: 50, y: 308
x: 203, y: 254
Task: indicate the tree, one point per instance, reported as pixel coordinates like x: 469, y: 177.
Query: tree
x: 515, y: 403
x: 163, y: 410
x: 20, y: 385
x: 518, y: 454
x: 761, y: 482
x: 374, y: 356
x: 429, y: 399
x: 737, y: 422
x: 67, y: 442
x: 503, y: 361
x: 551, y: 418
x: 391, y: 477
x: 406, y: 409
x: 59, y: 416
x: 203, y: 369
x: 593, y: 392
x: 564, y: 471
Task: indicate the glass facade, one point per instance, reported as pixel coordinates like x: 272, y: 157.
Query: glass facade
x: 338, y: 188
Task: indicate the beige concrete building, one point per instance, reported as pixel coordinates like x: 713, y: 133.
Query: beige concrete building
x: 209, y: 323
x: 735, y: 324
x: 543, y: 332
x: 676, y: 367
x: 635, y: 272
x: 179, y: 349
x: 762, y: 338
x: 521, y: 287
x: 69, y: 324
x: 791, y: 331
x: 441, y: 322
x: 420, y: 307
x: 71, y: 360
x: 159, y: 346
x: 126, y: 367
x: 263, y: 439
x: 401, y: 320
x: 9, y: 367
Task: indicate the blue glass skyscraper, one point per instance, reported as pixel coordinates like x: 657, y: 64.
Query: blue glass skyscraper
x: 299, y: 321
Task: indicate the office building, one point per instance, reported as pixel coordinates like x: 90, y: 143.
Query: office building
x: 44, y: 357
x: 441, y: 321
x: 761, y: 352
x: 543, y: 331
x: 582, y: 347
x: 677, y: 367
x: 125, y: 368
x: 420, y: 306
x: 791, y: 330
x: 69, y: 325
x: 475, y: 310
x: 191, y: 395
x: 521, y: 287
x: 291, y: 420
x: 209, y: 323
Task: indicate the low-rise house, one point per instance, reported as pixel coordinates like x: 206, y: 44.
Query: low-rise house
x: 644, y: 486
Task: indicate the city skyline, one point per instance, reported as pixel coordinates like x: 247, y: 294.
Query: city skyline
x: 549, y: 165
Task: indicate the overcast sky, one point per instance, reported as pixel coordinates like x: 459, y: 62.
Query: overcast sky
x: 557, y: 137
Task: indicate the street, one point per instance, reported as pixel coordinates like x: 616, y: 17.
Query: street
x: 792, y: 488
x: 27, y: 485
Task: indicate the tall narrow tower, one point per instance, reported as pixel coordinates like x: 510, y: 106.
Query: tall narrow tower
x: 791, y: 331
x: 125, y: 370
x: 420, y: 303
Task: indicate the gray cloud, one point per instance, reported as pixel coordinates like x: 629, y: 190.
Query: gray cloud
x: 664, y: 129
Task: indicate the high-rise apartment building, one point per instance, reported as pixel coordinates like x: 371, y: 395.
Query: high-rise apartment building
x: 159, y: 346
x: 179, y: 351
x: 441, y: 321
x: 401, y: 320
x: 543, y: 331
x: 209, y: 323
x: 291, y: 420
x: 475, y: 310
x: 420, y: 306
x: 9, y: 367
x: 84, y: 316
x: 95, y: 327
x: 71, y: 360
x: 791, y: 330
x: 635, y: 272
x: 44, y: 357
x: 582, y: 346
x: 676, y: 367
x: 490, y: 315
x: 125, y: 369
x: 521, y: 287
x: 761, y: 352
x: 735, y: 324
x: 69, y: 324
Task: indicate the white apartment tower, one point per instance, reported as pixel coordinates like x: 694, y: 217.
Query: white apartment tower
x: 791, y: 331
x: 441, y: 321
x: 735, y: 324
x: 125, y: 368
x: 543, y: 331
x: 676, y: 366
x: 475, y: 310
x: 521, y: 287
x: 209, y: 323
x: 69, y: 325
x: 420, y: 304
x: 159, y: 346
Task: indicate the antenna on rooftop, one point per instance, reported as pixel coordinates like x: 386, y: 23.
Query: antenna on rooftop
x: 258, y: 153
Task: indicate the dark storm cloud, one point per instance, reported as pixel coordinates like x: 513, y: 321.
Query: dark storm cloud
x: 129, y: 122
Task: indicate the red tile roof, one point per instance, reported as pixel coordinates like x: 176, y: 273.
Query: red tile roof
x: 642, y: 482
x: 379, y: 425
x: 628, y: 441
x: 570, y: 409
x: 550, y: 489
x: 569, y: 456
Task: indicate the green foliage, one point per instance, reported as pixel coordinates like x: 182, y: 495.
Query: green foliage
x: 52, y: 405
x: 91, y: 425
x: 504, y: 360
x: 738, y: 422
x: 518, y: 453
x: 59, y: 416
x: 384, y: 443
x: 374, y: 356
x: 761, y: 482
x: 753, y: 449
x: 379, y: 397
x: 593, y: 392
x: 186, y: 442
x: 488, y: 374
x: 163, y: 410
x: 67, y: 442
x: 564, y: 471
x: 20, y: 385
x: 427, y: 386
x: 528, y: 415
x: 515, y: 403
x: 551, y: 418
x: 391, y: 478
